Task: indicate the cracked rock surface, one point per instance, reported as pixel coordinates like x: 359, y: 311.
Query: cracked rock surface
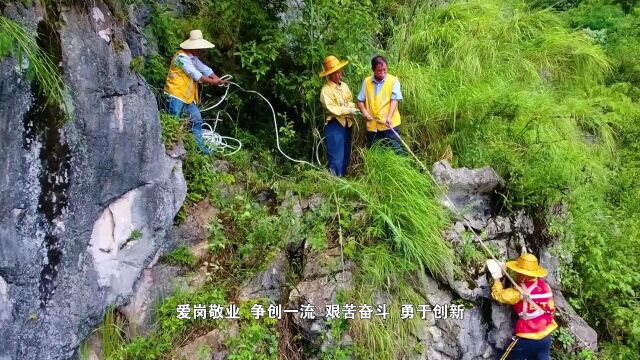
x: 97, y: 194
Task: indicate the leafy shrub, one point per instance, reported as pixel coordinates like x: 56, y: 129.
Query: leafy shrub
x: 172, y: 130
x: 181, y: 256
x: 168, y: 328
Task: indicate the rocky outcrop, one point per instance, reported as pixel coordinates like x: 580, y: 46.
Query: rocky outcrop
x: 269, y: 283
x: 480, y: 326
x: 97, y: 194
x: 473, y: 192
x: 469, y: 192
x: 323, y: 276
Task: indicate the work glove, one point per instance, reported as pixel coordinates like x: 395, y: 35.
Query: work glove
x: 495, y: 268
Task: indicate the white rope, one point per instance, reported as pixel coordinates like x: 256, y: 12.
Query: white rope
x: 318, y: 139
x: 218, y: 143
x: 217, y: 139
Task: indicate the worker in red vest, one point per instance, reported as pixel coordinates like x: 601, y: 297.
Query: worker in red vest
x: 533, y: 303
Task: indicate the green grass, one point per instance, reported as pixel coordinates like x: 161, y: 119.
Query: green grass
x: 402, y: 236
x: 112, y: 333
x: 404, y: 210
x: 552, y: 110
x: 521, y: 84
x: 170, y: 330
x: 19, y: 43
x: 135, y: 235
x: 181, y: 256
x: 173, y: 129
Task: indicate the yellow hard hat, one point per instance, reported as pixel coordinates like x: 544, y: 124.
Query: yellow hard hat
x: 527, y: 264
x: 331, y: 64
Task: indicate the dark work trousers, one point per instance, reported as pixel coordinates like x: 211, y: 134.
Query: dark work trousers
x: 527, y: 349
x: 338, y: 140
x: 386, y: 138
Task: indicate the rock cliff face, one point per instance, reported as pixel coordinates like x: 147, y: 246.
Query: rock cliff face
x: 85, y: 203
x: 485, y: 326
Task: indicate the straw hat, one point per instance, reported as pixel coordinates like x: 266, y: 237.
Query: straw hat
x: 331, y: 64
x: 527, y: 264
x: 196, y: 41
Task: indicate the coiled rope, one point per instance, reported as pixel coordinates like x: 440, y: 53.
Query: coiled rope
x: 215, y: 138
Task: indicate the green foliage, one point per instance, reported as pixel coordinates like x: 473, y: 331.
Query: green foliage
x: 203, y: 352
x: 199, y: 173
x: 404, y: 209
x: 470, y: 254
x: 169, y: 329
x: 336, y: 352
x: 172, y: 130
x: 18, y: 42
x: 390, y: 338
x: 257, y: 339
x: 181, y: 256
x: 510, y: 96
x: 404, y: 223
x: 564, y: 346
x: 135, y: 235
x: 112, y: 334
x: 619, y: 34
x: 502, y: 83
x: 525, y: 95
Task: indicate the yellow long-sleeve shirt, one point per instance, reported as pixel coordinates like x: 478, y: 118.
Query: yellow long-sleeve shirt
x: 338, y: 101
x: 505, y: 296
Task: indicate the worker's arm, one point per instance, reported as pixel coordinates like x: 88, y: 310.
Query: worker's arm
x: 332, y: 106
x: 363, y: 109
x: 392, y: 109
x: 505, y: 296
x: 361, y: 102
x: 197, y: 70
x: 212, y: 80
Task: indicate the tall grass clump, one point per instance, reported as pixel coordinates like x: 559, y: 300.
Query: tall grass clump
x: 506, y: 86
x: 19, y: 43
x: 405, y: 226
x: 383, y: 277
x: 404, y: 210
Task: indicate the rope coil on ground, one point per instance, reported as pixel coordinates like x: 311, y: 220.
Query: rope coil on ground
x: 214, y: 137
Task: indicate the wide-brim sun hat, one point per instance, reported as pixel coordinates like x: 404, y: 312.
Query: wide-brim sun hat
x: 527, y: 264
x: 196, y: 41
x: 331, y: 64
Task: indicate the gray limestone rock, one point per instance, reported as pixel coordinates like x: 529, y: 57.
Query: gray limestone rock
x: 206, y: 347
x: 503, y: 323
x: 323, y: 276
x: 469, y: 192
x: 584, y: 335
x: 444, y: 337
x: 268, y: 283
x: 97, y: 192
x: 156, y: 283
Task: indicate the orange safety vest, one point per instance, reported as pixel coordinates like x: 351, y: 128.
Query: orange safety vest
x: 179, y: 84
x: 379, y: 105
x: 533, y: 323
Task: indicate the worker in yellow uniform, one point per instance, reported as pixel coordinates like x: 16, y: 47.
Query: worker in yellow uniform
x: 378, y: 100
x: 533, y: 304
x: 181, y: 87
x: 337, y: 100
